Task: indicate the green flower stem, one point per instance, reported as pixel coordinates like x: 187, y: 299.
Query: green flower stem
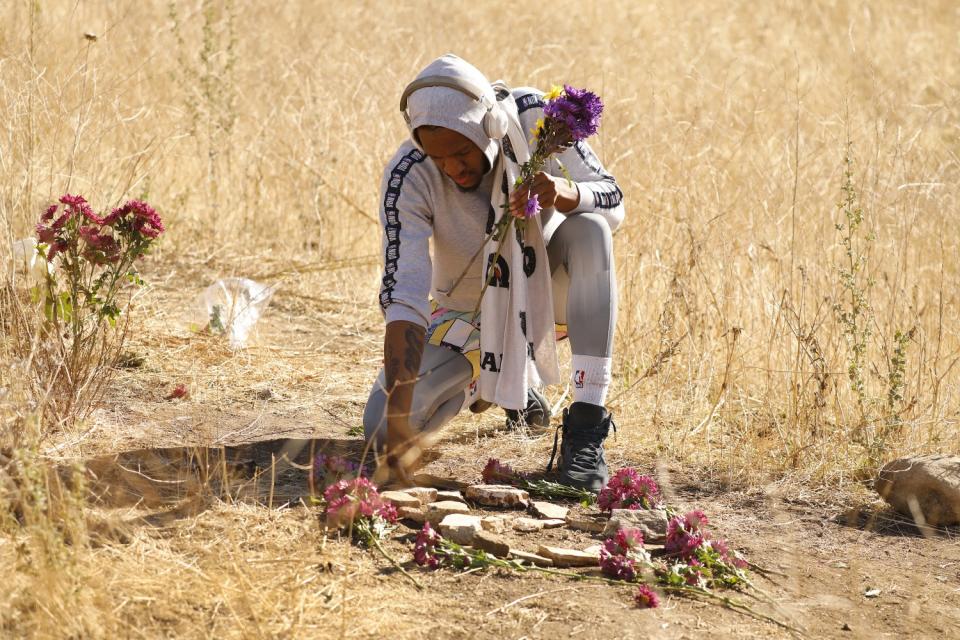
x: 547, y: 489
x: 480, y: 559
x: 372, y: 540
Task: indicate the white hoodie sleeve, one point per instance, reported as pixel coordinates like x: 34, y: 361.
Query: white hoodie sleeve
x: 599, y: 191
x: 407, y: 225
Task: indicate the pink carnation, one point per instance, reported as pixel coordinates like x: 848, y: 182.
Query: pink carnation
x: 424, y: 549
x: 349, y: 500
x: 646, y: 598
x: 627, y: 489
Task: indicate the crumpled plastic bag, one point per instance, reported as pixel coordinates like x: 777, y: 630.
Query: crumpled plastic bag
x: 232, y: 307
x: 30, y: 268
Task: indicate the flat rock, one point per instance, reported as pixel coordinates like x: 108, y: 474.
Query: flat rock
x: 588, y: 523
x: 562, y: 557
x: 494, y: 524
x: 527, y: 525
x: 652, y: 523
x: 497, y: 495
x: 425, y: 495
x: 454, y: 496
x: 531, y: 558
x: 430, y: 480
x: 926, y: 487
x: 401, y: 499
x: 553, y: 524
x: 548, y: 510
x: 437, y: 511
x: 412, y: 513
x: 491, y: 543
x: 460, y: 527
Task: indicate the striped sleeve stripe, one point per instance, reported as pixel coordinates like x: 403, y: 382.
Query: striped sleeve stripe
x: 392, y: 214
x: 607, y: 198
x: 528, y: 101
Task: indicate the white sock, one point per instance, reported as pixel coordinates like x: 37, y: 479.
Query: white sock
x: 591, y: 379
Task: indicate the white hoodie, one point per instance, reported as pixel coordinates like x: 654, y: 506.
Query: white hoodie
x: 419, y: 202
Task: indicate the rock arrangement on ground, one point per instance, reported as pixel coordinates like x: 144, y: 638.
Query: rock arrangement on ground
x: 926, y: 489
x: 457, y: 521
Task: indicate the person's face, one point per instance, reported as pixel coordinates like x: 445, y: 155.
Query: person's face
x: 455, y: 155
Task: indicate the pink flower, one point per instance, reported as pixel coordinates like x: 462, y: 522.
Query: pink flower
x: 619, y: 553
x: 627, y: 489
x: 57, y: 246
x: 349, y: 500
x: 138, y: 216
x: 686, y: 534
x: 78, y: 205
x: 646, y: 598
x: 497, y: 472
x: 424, y: 549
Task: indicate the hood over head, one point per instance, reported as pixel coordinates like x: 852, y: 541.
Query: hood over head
x: 450, y: 108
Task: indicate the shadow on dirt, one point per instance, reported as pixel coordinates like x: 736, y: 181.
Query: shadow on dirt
x: 182, y: 481
x: 887, y: 522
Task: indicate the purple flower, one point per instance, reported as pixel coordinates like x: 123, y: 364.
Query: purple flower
x: 578, y: 110
x: 627, y: 489
x: 532, y: 207
x: 424, y: 549
x: 646, y: 598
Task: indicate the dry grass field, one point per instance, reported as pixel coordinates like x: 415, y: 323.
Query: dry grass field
x: 768, y: 361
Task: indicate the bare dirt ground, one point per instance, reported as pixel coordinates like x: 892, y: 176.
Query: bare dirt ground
x: 307, y: 376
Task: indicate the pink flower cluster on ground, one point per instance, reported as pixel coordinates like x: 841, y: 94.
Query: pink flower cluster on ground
x: 497, y: 472
x: 687, y: 539
x: 424, y: 549
x: 348, y: 500
x: 619, y: 554
x: 628, y: 489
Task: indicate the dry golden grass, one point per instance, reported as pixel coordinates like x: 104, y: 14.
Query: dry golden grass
x: 260, y: 131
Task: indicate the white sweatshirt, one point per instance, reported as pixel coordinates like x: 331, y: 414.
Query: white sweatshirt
x: 418, y: 202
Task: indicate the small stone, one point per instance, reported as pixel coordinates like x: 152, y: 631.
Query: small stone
x: 425, y: 495
x: 548, y: 510
x: 652, y: 523
x: 872, y: 593
x: 569, y: 557
x: 437, y: 511
x: 552, y: 524
x: 923, y: 487
x: 588, y: 523
x: 460, y: 528
x: 527, y: 525
x: 494, y: 524
x: 455, y: 496
x: 400, y: 499
x: 531, y: 558
x: 497, y: 495
x: 491, y: 543
x: 412, y: 513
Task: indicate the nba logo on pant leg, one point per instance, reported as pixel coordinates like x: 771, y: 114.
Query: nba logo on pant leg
x: 578, y: 378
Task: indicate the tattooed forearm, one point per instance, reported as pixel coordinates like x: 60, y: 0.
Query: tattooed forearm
x: 402, y: 351
x: 413, y: 350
